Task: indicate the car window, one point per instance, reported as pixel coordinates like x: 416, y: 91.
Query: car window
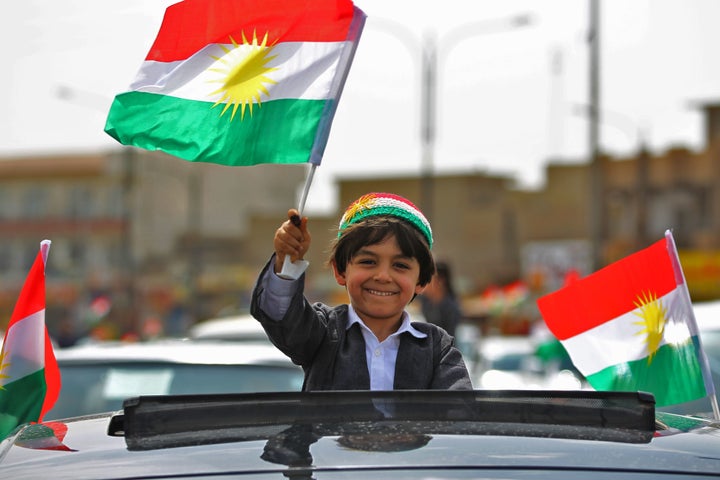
x: 511, y: 361
x: 95, y: 388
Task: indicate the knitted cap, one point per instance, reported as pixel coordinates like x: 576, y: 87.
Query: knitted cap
x: 386, y: 204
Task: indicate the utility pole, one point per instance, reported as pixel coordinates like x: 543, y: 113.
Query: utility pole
x: 428, y: 121
x: 596, y: 180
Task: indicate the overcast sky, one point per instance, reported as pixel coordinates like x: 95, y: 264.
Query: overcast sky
x: 508, y: 99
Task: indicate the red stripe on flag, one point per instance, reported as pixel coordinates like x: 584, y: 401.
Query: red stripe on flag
x: 52, y: 378
x: 32, y: 296
x: 190, y: 25
x: 609, y: 292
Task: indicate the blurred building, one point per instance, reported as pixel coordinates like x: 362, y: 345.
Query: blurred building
x: 157, y: 231
x: 494, y: 233
x: 136, y: 230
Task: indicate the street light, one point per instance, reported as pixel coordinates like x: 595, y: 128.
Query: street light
x: 430, y: 46
x: 619, y: 121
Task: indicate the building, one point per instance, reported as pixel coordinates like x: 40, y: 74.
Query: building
x: 136, y: 229
x: 153, y: 233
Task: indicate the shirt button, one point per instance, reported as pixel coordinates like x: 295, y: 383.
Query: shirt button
x: 377, y: 352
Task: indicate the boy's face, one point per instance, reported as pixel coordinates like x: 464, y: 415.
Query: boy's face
x: 380, y: 281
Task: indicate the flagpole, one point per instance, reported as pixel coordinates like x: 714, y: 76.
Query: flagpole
x: 306, y: 189
x: 292, y: 270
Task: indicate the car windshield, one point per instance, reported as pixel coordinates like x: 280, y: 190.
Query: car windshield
x: 102, y: 387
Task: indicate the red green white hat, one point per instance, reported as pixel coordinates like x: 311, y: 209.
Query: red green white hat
x: 372, y: 204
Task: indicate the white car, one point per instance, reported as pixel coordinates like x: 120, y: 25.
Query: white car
x: 236, y: 328
x: 98, y: 377
x: 508, y: 362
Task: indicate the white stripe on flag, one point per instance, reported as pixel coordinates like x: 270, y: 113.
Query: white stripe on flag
x: 620, y: 341
x: 24, y: 347
x: 192, y: 79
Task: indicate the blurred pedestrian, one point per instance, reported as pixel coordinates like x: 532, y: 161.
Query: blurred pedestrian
x: 438, y: 301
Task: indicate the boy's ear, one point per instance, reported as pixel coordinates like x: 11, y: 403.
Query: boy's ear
x: 339, y: 277
x: 419, y: 289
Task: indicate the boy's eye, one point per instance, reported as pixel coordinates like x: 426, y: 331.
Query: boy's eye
x: 364, y: 261
x: 402, y: 265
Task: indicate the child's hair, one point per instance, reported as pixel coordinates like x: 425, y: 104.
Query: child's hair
x: 376, y: 216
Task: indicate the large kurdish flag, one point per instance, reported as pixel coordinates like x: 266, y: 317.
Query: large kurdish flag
x: 29, y: 374
x: 630, y: 326
x: 241, y: 82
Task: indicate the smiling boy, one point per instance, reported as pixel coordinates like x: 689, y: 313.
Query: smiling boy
x: 382, y: 256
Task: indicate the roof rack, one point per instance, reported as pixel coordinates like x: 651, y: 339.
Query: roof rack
x: 151, y: 422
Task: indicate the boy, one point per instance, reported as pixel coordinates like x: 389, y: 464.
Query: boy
x: 382, y: 257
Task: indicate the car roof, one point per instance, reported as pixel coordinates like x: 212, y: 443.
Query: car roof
x: 442, y: 434
x: 174, y: 351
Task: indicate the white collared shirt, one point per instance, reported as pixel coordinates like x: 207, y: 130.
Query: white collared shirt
x: 382, y: 356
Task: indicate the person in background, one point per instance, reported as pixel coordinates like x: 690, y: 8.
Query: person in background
x: 439, y: 304
x: 382, y: 257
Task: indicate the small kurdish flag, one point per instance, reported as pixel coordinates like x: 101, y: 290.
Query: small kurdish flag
x: 241, y: 82
x: 29, y: 374
x: 630, y: 326
x: 46, y: 436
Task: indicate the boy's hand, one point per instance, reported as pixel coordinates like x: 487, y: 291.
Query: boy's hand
x: 292, y: 238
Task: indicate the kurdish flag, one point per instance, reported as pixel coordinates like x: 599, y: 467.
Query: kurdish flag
x: 29, y: 374
x: 241, y: 82
x: 630, y: 326
x: 46, y: 436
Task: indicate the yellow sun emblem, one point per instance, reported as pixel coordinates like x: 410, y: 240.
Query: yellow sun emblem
x: 244, y: 74
x: 3, y: 368
x: 358, y: 206
x: 653, y: 319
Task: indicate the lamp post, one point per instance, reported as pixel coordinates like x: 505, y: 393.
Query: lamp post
x: 430, y: 47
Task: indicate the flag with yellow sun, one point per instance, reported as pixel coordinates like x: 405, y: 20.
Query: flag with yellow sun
x: 29, y: 374
x: 241, y: 82
x: 630, y: 327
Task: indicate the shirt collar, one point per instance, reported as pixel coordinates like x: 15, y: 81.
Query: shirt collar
x: 405, y: 326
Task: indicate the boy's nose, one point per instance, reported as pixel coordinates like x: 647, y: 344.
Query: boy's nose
x: 382, y: 275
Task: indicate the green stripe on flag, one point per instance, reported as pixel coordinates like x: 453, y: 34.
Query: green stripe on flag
x: 278, y: 131
x: 21, y: 401
x: 673, y: 376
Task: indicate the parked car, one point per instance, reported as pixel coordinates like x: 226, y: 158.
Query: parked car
x: 365, y: 434
x: 509, y: 362
x: 98, y: 377
x: 236, y: 328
